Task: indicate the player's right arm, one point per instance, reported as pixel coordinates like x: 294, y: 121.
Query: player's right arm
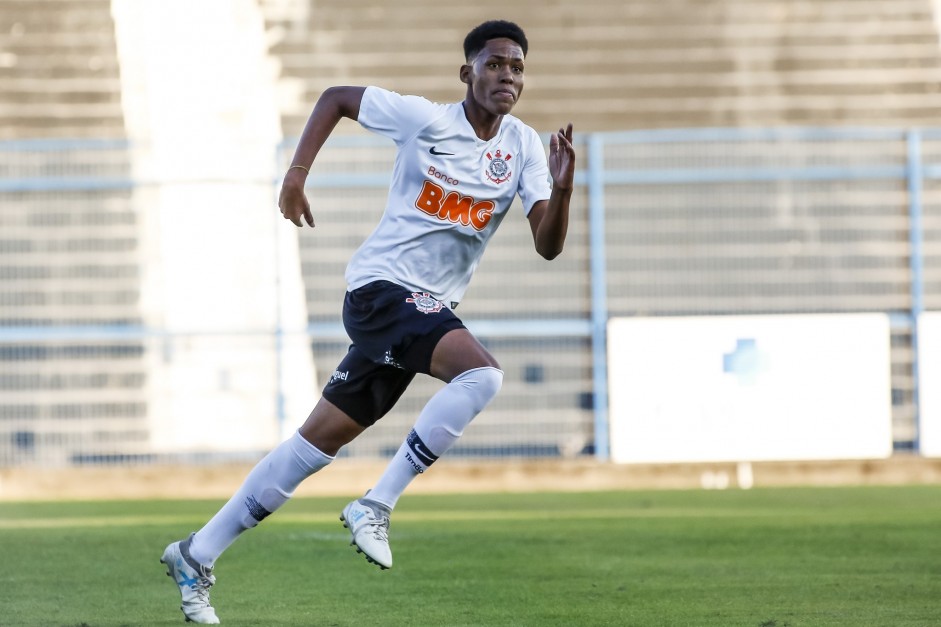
x: 333, y: 105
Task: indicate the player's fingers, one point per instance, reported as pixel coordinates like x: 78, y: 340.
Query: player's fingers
x: 553, y: 143
x: 308, y: 216
x: 284, y: 214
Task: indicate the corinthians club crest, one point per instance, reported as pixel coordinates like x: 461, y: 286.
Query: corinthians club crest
x: 425, y: 302
x: 499, y: 171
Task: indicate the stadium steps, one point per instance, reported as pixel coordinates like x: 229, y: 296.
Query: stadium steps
x: 68, y: 400
x: 642, y: 64
x: 59, y: 74
x: 67, y: 257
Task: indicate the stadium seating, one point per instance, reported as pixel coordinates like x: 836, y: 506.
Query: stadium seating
x: 604, y: 64
x: 59, y: 75
x: 70, y: 257
x: 613, y: 65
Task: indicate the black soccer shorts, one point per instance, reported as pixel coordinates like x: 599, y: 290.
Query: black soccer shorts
x: 394, y: 333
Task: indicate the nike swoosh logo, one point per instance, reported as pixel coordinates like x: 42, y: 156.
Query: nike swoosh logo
x: 435, y: 152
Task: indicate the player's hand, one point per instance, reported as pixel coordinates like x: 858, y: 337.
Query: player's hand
x: 292, y: 201
x: 562, y: 159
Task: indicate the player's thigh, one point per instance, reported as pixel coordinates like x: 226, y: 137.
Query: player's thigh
x: 459, y: 351
x: 364, y: 390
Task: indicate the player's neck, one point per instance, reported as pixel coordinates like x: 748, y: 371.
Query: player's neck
x: 485, y: 124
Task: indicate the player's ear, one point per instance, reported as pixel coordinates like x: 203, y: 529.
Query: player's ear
x: 465, y: 74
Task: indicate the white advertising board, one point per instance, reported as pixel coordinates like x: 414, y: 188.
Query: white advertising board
x: 929, y: 383
x: 749, y: 388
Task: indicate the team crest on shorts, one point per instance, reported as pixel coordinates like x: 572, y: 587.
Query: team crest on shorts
x: 425, y: 302
x: 499, y: 171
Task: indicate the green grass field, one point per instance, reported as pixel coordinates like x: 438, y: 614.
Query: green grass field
x: 764, y: 557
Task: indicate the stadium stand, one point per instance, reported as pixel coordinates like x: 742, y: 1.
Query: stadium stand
x: 59, y: 75
x: 612, y: 65
x: 70, y: 257
x: 68, y: 254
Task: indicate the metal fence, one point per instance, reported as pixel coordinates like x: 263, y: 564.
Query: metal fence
x: 101, y: 362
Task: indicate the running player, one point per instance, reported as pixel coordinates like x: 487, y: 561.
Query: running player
x: 458, y: 169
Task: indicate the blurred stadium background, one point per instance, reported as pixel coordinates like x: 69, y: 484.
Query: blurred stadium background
x: 737, y: 158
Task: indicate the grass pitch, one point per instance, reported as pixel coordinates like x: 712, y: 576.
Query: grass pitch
x: 761, y: 558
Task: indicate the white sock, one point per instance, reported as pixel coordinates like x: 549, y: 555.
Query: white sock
x: 440, y: 424
x: 268, y: 486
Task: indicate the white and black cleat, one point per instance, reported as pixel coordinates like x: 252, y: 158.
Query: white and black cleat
x: 368, y: 523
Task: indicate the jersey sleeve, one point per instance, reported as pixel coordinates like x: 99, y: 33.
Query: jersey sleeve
x: 535, y: 182
x: 393, y: 115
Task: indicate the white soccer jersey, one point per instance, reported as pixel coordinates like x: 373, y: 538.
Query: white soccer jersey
x: 450, y: 190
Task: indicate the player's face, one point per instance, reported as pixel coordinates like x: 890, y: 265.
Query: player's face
x: 495, y: 76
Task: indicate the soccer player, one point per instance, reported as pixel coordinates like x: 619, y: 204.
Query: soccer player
x: 458, y: 168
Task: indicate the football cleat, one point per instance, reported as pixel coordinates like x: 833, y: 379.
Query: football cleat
x: 193, y: 580
x: 368, y: 523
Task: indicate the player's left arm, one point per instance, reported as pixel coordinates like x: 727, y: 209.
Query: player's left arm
x: 549, y: 219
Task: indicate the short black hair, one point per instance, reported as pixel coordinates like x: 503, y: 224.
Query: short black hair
x: 493, y: 29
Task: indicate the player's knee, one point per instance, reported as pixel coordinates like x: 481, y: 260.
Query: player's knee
x: 492, y: 381
x: 483, y: 384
